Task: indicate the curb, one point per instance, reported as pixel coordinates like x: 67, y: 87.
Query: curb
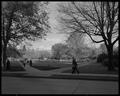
x: 86, y: 77
x: 68, y: 76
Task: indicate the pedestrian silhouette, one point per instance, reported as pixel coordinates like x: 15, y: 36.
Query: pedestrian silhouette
x: 30, y: 62
x: 27, y: 62
x: 24, y: 63
x: 8, y: 65
x: 74, y: 66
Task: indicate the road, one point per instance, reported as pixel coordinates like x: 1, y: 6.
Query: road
x: 14, y: 85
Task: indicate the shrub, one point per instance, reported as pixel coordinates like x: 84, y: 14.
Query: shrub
x: 105, y: 62
x: 101, y: 57
x: 93, y: 57
x: 116, y: 58
x: 115, y: 62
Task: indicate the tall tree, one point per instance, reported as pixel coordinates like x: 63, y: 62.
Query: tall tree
x: 75, y: 42
x: 59, y: 49
x: 96, y: 19
x: 22, y: 20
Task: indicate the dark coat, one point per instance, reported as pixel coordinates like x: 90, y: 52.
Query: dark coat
x: 74, y: 63
x: 30, y: 62
x: 8, y: 65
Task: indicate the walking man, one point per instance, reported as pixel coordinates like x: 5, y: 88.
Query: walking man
x: 74, y: 66
x: 8, y: 65
x: 24, y: 63
x: 30, y: 62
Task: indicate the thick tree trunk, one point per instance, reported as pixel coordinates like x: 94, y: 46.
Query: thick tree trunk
x: 110, y: 58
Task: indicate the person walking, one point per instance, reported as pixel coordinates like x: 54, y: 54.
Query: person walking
x: 8, y: 65
x: 30, y: 62
x: 27, y: 62
x: 74, y: 66
x: 24, y: 63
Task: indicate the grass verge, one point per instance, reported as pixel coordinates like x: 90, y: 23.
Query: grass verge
x: 93, y: 69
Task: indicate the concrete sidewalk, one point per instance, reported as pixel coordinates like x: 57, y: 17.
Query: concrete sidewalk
x: 36, y: 72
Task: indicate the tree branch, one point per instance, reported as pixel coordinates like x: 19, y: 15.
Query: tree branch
x: 116, y: 40
x: 87, y: 14
x: 85, y: 31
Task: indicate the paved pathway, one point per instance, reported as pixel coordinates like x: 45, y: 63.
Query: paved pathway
x: 36, y: 72
x: 31, y: 71
x: 58, y: 70
x: 57, y: 73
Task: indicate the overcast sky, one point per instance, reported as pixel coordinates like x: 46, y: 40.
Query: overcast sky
x: 54, y: 36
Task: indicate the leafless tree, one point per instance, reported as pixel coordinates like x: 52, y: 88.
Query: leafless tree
x: 94, y: 19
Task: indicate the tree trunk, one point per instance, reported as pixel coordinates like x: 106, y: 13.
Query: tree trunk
x: 4, y: 55
x: 110, y: 58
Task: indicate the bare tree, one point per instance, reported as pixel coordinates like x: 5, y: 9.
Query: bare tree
x: 96, y: 19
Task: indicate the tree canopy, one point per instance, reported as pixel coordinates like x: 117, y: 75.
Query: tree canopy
x: 23, y: 20
x: 59, y: 50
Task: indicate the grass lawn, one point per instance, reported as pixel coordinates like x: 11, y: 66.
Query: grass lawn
x: 94, y: 69
x: 41, y: 65
x: 45, y: 67
x: 50, y: 64
x: 15, y: 66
